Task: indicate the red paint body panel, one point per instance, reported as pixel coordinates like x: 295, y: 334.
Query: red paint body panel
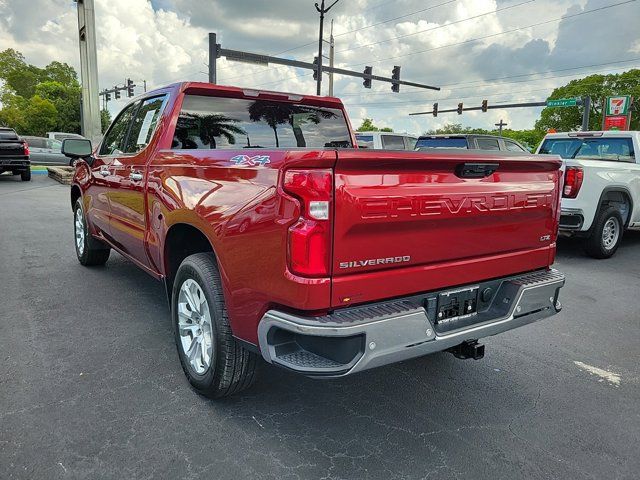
x: 386, y: 204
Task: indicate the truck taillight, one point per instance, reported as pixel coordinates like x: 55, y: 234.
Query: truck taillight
x: 26, y: 148
x: 572, y: 182
x: 310, y: 236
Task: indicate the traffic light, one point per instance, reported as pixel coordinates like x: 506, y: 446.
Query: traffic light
x: 116, y: 93
x: 485, y: 105
x: 315, y: 71
x: 107, y: 96
x: 435, y: 109
x: 395, y: 74
x: 460, y: 108
x: 130, y: 86
x: 367, y: 80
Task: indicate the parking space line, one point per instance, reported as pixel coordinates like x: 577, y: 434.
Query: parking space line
x: 612, y: 378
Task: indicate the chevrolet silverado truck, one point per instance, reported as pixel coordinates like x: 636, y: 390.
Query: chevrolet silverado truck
x: 14, y: 154
x: 276, y: 238
x: 601, y: 197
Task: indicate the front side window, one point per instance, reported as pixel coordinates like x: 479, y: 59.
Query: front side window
x: 488, y: 144
x: 392, y: 142
x: 113, y: 142
x: 144, y: 124
x: 609, y: 148
x: 215, y: 123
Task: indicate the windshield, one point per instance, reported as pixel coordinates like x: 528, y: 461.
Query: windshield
x: 442, y: 142
x: 610, y: 148
x: 216, y: 122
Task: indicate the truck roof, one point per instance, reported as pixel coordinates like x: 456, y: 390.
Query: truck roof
x: 595, y: 133
x: 205, y: 88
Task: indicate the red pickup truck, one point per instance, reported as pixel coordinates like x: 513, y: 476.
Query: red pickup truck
x: 275, y: 236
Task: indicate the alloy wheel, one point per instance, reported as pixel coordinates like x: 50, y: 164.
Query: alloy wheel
x: 194, y: 325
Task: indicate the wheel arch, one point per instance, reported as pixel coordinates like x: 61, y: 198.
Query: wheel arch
x: 182, y: 240
x: 76, y: 193
x: 620, y: 197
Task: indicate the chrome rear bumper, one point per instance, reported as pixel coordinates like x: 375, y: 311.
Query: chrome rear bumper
x: 355, y: 339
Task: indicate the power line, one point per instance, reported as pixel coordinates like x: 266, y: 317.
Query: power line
x: 508, y: 7
x: 557, y: 19
x: 482, y: 95
x: 382, y: 22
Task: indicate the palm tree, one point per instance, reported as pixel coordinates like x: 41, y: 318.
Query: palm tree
x: 212, y: 126
x: 276, y: 113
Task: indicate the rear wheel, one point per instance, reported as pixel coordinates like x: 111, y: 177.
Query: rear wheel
x: 606, y: 234
x: 88, y: 250
x: 215, y: 364
x: 25, y: 175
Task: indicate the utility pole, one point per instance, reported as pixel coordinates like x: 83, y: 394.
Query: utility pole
x: 213, y: 56
x: 500, y: 125
x: 331, y: 59
x: 586, y: 103
x: 90, y: 104
x: 321, y: 10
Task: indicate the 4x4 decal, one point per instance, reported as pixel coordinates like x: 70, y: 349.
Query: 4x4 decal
x: 250, y: 161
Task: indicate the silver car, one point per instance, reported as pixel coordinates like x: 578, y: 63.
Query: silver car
x: 46, y: 151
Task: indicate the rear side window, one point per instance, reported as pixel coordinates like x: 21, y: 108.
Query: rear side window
x: 410, y: 142
x: 364, y: 141
x: 144, y: 124
x: 513, y: 146
x: 216, y: 122
x: 113, y: 141
x: 609, y: 148
x: 392, y: 142
x: 488, y: 144
x: 442, y: 142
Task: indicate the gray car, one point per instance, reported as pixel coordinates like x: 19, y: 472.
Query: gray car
x: 46, y: 151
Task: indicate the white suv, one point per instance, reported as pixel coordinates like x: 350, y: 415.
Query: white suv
x: 601, y: 197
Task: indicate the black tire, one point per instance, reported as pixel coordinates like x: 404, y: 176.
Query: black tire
x: 232, y: 367
x: 597, y: 246
x: 92, y: 252
x: 25, y: 175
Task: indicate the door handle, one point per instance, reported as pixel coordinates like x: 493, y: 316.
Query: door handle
x: 135, y: 176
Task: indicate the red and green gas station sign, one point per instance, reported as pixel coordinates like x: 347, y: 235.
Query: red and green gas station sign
x: 617, y: 113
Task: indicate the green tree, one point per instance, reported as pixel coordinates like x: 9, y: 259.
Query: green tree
x: 597, y: 87
x: 105, y: 119
x: 368, y: 126
x: 27, y: 88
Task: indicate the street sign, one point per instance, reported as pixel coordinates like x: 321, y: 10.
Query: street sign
x: 562, y: 102
x: 618, y: 105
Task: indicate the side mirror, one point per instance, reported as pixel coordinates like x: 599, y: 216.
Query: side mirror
x: 76, y: 147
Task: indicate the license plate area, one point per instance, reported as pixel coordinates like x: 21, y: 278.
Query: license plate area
x: 456, y: 305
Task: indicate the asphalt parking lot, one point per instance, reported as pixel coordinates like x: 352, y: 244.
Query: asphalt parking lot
x: 91, y: 386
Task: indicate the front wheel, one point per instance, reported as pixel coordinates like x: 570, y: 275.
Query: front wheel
x: 88, y: 250
x: 606, y: 234
x: 215, y: 364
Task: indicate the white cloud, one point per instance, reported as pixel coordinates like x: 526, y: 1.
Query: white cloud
x: 166, y: 40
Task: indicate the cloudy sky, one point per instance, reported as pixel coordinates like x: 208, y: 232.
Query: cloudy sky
x: 501, y: 50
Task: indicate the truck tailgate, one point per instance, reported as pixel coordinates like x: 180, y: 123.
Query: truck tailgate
x: 412, y: 222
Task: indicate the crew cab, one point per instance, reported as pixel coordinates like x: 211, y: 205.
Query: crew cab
x: 275, y: 237
x: 601, y: 197
x: 14, y: 154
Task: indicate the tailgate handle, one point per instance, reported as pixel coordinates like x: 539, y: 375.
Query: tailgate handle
x: 476, y: 170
